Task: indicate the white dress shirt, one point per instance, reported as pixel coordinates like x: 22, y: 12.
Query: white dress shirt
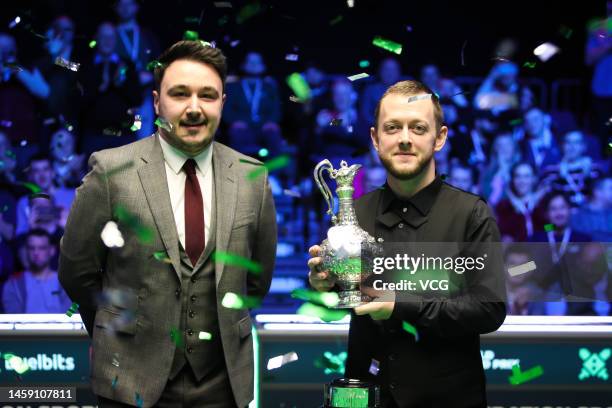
x: 174, y: 160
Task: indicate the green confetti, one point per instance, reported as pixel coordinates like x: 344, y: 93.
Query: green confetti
x: 73, y: 309
x: 336, y: 20
x: 35, y: 189
x: 549, y: 227
x: 237, y: 260
x: 519, y: 377
x: 204, y: 335
x: 92, y: 44
x: 176, y: 337
x: 364, y: 64
x: 388, y: 45
x: 411, y: 329
x: 114, y: 384
x: 190, y: 35
x: 516, y: 122
x: 234, y: 301
x: 329, y: 299
x: 164, y: 124
x: 154, y: 64
x: 529, y: 64
x: 247, y: 12
x: 17, y: 363
x: 299, y: 86
x: 272, y: 165
x: 144, y: 234
x: 332, y: 363
x: 323, y: 313
x: 162, y: 256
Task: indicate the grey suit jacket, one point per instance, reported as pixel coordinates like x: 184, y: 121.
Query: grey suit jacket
x: 133, y: 177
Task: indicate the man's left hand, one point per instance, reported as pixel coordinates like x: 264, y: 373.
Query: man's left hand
x: 380, y: 308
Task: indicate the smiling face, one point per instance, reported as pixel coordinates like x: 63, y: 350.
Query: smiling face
x: 523, y: 179
x: 559, y: 212
x: 406, y: 135
x: 191, y: 99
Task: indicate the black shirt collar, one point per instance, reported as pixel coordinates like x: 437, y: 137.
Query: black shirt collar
x: 422, y: 201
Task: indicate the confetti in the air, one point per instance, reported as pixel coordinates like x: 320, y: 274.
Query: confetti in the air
x: 271, y: 165
x: 234, y: 301
x: 162, y: 256
x: 549, y: 227
x: 521, y: 269
x: 358, y: 76
x: 154, y: 64
x: 34, y: 188
x: 388, y: 45
x: 16, y: 363
x: 204, y: 335
x: 419, y: 97
x: 111, y: 236
x: 350, y: 3
x: 279, y: 361
x: 73, y: 309
x: 14, y: 23
x: 332, y: 363
x: 323, y: 313
x: 291, y: 57
x: 411, y: 329
x: 329, y: 299
x: 73, y: 66
x: 92, y: 44
x: 191, y: 35
x: 529, y: 64
x: 336, y: 20
x: 299, y: 86
x: 115, y: 360
x: 335, y: 122
x: 292, y: 193
x: 164, y: 124
x: 545, y: 51
x: 374, y: 367
x: 144, y: 234
x: 175, y: 335
x: 137, y: 123
x: 364, y: 64
x: 237, y: 260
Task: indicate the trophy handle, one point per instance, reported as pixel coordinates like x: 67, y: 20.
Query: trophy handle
x: 327, y: 194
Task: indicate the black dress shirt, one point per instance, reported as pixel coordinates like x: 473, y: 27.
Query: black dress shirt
x: 444, y: 367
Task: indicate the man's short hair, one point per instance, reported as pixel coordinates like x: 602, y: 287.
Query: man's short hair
x: 197, y: 51
x: 547, y: 199
x: 38, y: 232
x: 410, y: 88
x: 40, y: 157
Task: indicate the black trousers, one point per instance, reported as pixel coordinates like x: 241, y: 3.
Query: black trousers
x: 213, y: 391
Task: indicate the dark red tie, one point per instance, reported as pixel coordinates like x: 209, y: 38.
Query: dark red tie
x: 194, y: 213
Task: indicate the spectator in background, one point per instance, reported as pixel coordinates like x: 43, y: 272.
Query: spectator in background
x: 446, y: 88
x: 7, y: 161
x: 501, y: 91
x: 573, y: 172
x: 111, y: 89
x: 138, y: 45
x: 20, y: 89
x: 462, y: 176
x: 40, y: 172
x: 63, y: 98
x: 443, y: 160
x: 252, y: 110
x: 539, y: 147
x: 522, y: 291
x: 595, y: 216
x: 68, y: 166
x: 599, y: 55
x: 521, y: 213
x: 37, y: 288
x: 496, y: 176
x: 336, y: 135
x: 389, y: 72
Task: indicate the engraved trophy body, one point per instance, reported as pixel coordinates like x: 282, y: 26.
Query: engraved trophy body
x: 348, y: 251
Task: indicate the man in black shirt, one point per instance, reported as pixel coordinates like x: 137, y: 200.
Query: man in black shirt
x: 443, y: 367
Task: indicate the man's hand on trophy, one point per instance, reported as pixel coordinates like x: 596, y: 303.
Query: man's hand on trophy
x: 382, y: 305
x: 319, y: 279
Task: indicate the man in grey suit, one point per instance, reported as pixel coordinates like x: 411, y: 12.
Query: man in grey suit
x: 160, y: 334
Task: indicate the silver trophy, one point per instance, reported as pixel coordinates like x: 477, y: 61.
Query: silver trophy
x: 348, y: 251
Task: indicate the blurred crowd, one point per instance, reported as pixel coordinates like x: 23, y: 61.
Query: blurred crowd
x: 546, y: 178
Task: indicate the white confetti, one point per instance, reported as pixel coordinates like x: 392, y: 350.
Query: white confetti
x: 521, y: 269
x: 358, y: 76
x: 292, y: 57
x: 204, y: 335
x: 111, y: 236
x: 14, y: 23
x: 418, y: 97
x: 279, y: 361
x: 374, y: 367
x: 73, y: 66
x: 545, y: 51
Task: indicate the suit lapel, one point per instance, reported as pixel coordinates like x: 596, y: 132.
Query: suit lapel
x: 158, y: 198
x: 226, y: 194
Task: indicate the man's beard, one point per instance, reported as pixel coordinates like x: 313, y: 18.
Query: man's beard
x: 406, y: 174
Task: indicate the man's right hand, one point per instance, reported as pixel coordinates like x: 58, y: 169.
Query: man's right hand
x: 319, y: 279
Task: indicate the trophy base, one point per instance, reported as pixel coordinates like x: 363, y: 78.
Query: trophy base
x: 349, y: 299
